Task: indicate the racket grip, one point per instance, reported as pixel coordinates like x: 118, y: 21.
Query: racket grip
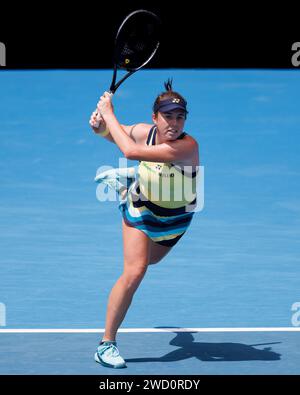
x: 99, y: 119
x: 97, y: 123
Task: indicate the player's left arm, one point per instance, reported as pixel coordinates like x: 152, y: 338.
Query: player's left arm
x: 165, y: 152
x: 170, y: 151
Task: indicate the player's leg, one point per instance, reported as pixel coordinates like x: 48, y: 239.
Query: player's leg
x: 157, y: 252
x: 136, y: 257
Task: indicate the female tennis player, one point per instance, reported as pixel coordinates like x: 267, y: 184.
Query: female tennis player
x: 157, y: 202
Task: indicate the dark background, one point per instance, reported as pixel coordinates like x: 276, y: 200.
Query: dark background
x: 195, y: 34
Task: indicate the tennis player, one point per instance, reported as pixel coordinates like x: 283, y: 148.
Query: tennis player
x: 155, y: 214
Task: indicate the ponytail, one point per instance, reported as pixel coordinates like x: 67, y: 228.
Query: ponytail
x: 168, y: 85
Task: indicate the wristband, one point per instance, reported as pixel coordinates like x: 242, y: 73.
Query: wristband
x: 104, y: 133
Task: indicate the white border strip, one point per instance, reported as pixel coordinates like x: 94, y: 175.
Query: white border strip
x: 154, y: 330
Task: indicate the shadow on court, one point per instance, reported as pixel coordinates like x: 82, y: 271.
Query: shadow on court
x: 188, y: 348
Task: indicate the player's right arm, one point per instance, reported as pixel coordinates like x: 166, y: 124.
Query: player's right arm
x: 136, y: 132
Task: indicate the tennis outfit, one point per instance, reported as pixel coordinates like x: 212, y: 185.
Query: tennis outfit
x: 160, y: 201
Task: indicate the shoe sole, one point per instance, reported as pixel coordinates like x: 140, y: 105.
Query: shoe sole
x: 116, y: 174
x: 107, y: 365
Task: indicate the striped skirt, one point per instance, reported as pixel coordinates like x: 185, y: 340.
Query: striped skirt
x: 163, y: 226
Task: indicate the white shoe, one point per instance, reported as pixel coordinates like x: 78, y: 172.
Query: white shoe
x: 108, y: 355
x: 122, y: 172
x: 118, y: 179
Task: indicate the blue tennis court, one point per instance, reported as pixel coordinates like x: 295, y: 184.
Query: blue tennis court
x: 61, y: 249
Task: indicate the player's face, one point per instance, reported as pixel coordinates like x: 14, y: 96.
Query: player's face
x: 169, y: 124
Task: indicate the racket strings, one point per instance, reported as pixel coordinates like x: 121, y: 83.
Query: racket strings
x: 126, y: 50
x: 136, y: 42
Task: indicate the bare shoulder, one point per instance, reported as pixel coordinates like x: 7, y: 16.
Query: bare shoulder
x: 187, y: 142
x: 138, y: 132
x: 193, y: 158
x: 191, y: 140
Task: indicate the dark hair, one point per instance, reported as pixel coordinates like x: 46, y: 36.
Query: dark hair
x: 167, y: 94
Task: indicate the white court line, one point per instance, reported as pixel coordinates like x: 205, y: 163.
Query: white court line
x: 154, y: 330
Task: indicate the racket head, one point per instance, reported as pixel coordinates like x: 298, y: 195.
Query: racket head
x: 137, y: 40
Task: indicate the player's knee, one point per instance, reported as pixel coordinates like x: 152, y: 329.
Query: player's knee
x: 133, y: 277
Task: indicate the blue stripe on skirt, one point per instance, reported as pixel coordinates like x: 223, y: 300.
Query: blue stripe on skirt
x: 162, y: 230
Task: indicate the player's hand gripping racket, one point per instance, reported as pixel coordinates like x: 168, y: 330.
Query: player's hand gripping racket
x: 136, y: 43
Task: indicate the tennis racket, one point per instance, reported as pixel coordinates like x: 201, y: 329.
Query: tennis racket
x: 136, y: 43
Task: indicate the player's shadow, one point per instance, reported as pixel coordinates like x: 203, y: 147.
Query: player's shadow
x: 188, y: 348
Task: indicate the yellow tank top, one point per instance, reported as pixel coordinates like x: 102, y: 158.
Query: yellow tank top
x: 166, y: 184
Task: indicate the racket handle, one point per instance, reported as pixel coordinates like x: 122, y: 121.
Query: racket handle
x: 97, y: 123
x: 99, y: 119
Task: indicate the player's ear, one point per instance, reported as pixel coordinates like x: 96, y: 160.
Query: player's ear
x: 154, y: 118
